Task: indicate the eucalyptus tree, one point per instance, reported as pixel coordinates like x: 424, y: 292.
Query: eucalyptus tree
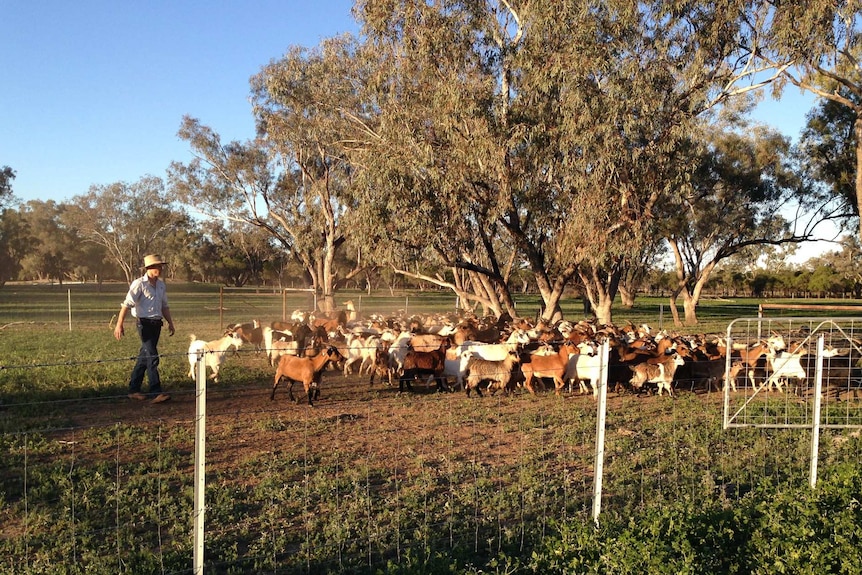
x: 825, y: 281
x: 186, y: 246
x: 418, y: 206
x: 11, y: 245
x: 826, y: 152
x: 740, y: 196
x: 292, y: 180
x: 7, y: 174
x: 559, y: 127
x: 51, y: 246
x: 845, y: 262
x: 90, y: 262
x: 818, y: 47
x: 14, y: 243
x: 667, y: 69
x: 443, y: 155
x: 128, y: 219
x: 241, y: 252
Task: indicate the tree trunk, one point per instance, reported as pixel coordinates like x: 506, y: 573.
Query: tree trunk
x: 857, y: 129
x: 674, y: 312
x: 603, y: 309
x: 689, y: 304
x: 326, y: 304
x: 551, y: 308
x: 601, y: 288
x: 626, y: 297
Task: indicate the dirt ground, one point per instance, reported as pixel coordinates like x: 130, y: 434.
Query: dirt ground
x: 349, y: 413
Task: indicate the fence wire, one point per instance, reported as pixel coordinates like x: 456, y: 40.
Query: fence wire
x: 367, y: 478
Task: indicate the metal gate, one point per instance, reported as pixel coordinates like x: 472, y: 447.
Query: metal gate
x: 788, y: 373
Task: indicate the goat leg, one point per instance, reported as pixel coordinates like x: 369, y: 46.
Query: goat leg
x: 274, y: 386
x: 404, y: 379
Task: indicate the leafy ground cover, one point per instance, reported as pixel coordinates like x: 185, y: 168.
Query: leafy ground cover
x: 373, y: 481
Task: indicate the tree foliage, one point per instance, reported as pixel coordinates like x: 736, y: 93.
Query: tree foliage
x: 10, y: 244
x: 818, y: 47
x: 555, y: 130
x: 7, y: 174
x: 52, y: 247
x: 737, y: 197
x: 462, y: 142
x: 827, y: 153
x: 128, y: 220
x: 293, y: 180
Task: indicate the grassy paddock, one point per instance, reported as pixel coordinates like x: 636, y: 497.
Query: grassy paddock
x: 371, y: 481
x: 198, y: 305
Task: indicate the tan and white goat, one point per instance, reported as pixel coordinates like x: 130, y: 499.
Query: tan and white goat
x: 213, y: 352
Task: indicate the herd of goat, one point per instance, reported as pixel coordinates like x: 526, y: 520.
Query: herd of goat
x: 501, y: 354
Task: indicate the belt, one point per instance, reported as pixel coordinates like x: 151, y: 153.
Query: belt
x: 150, y: 321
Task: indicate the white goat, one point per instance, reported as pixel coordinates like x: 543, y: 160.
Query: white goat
x: 458, y: 356
x: 785, y: 365
x: 213, y: 352
x: 361, y: 349
x: 585, y: 366
x: 398, y: 350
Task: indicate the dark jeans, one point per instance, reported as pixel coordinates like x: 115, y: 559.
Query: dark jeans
x: 148, y: 358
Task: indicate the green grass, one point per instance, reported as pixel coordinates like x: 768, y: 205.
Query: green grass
x: 197, y: 306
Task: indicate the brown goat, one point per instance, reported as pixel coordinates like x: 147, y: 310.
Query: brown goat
x: 380, y: 367
x: 249, y: 333
x: 306, y: 370
x: 330, y: 324
x: 538, y: 366
x: 470, y: 330
x: 427, y: 363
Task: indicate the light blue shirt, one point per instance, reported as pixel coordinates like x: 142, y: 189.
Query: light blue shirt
x: 145, y: 300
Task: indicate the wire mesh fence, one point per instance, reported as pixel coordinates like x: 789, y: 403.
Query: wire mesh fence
x: 776, y: 384
x: 368, y: 480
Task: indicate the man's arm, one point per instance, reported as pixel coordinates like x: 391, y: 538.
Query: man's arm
x: 166, y: 313
x: 118, y: 329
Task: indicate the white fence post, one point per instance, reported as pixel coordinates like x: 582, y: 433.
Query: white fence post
x: 815, y: 416
x: 599, y: 465
x: 200, y: 464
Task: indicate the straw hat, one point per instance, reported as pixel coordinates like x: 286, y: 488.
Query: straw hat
x: 153, y: 260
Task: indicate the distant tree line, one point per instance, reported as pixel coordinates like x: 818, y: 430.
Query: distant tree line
x: 487, y: 148
x: 43, y: 241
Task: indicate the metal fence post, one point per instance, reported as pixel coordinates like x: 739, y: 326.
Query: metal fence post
x: 200, y: 464
x: 815, y: 416
x: 600, y: 434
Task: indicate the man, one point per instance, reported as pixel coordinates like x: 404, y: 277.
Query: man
x: 148, y: 300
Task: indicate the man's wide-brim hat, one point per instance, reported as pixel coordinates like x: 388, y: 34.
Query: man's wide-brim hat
x: 153, y: 260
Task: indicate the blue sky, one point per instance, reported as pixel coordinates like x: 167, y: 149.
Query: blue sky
x: 94, y: 91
